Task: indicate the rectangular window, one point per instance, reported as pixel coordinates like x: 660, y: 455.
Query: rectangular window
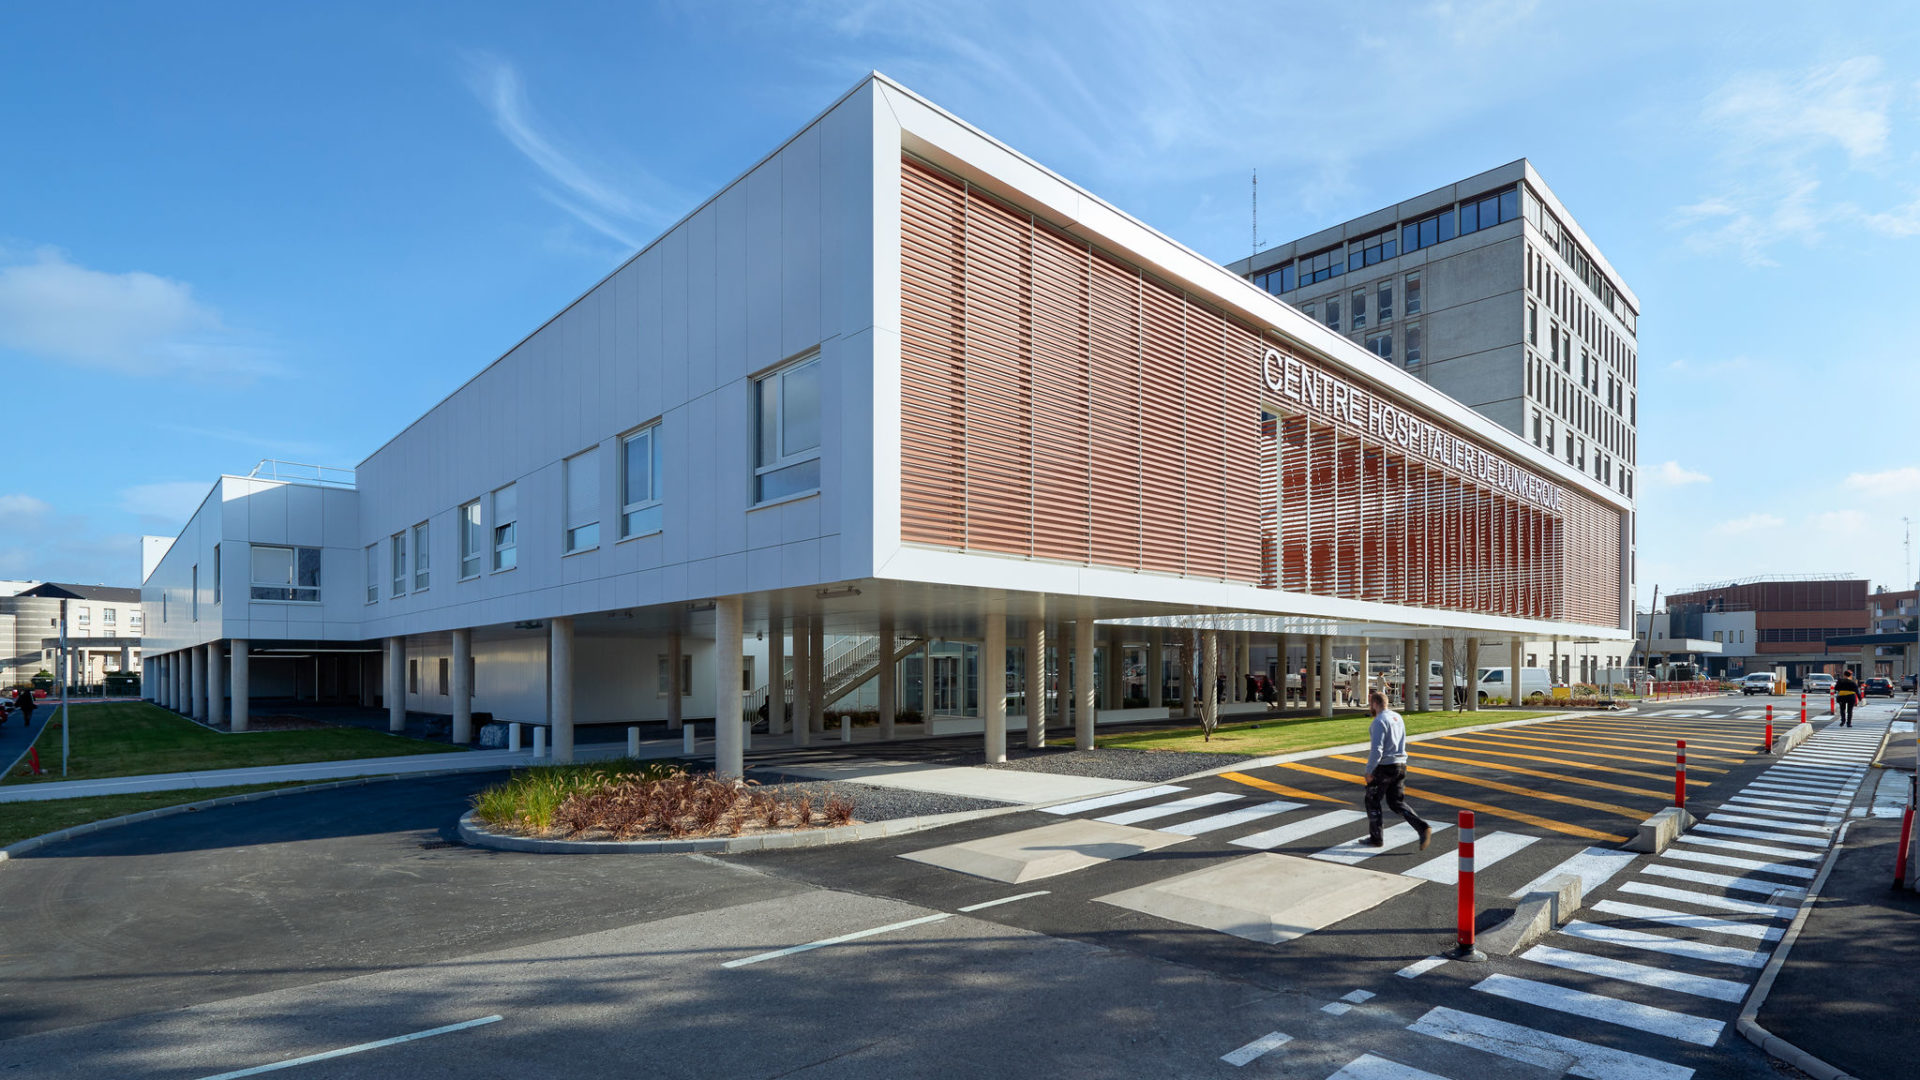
x: 398, y: 547
x: 373, y: 573
x: 787, y: 426
x: 583, y: 501
x: 471, y: 538
x: 1359, y: 303
x: 444, y: 690
x: 196, y: 592
x: 506, y: 514
x: 1533, y: 323
x: 286, y: 573
x: 1430, y: 230
x: 136, y: 621
x: 413, y: 676
x: 1413, y: 344
x: 1286, y: 278
x: 1381, y: 345
x: 422, y: 556
x: 1319, y: 267
x: 1383, y: 301
x: 1372, y: 250
x: 686, y: 674
x: 109, y: 616
x: 216, y: 573
x: 82, y: 615
x: 1413, y: 294
x: 1536, y: 427
x: 640, y: 474
x: 1333, y: 312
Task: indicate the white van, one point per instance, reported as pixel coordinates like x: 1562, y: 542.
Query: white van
x: 1496, y: 682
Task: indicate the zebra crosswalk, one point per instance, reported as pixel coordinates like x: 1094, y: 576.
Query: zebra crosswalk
x: 1668, y: 956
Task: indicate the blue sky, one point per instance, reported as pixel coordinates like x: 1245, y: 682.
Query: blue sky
x: 230, y: 232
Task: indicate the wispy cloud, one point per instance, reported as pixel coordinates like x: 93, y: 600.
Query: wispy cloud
x: 1748, y: 524
x: 134, y: 323
x: 167, y: 504
x: 14, y: 507
x: 575, y: 182
x: 1674, y: 474
x: 272, y: 444
x: 1891, y: 482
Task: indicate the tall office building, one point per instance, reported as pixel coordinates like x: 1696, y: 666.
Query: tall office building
x: 1490, y: 292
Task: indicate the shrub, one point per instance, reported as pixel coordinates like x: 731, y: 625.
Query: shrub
x: 625, y: 800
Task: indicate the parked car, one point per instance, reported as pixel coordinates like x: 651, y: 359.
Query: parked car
x: 1760, y: 682
x: 1536, y: 684
x: 1907, y: 684
x: 1879, y: 684
x: 1817, y: 683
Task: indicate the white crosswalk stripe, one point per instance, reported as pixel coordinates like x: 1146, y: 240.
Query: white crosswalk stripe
x: 1297, y: 830
x: 1708, y: 900
x: 1369, y: 1067
x: 1230, y: 819
x: 1593, y: 867
x: 1697, y: 1030
x: 1358, y: 850
x: 1099, y: 802
x: 1711, y: 858
x: 1691, y: 922
x: 1544, y: 1049
x: 1487, y: 850
x: 1168, y: 809
x: 1693, y: 950
x: 1771, y: 836
x: 1770, y: 823
x: 1644, y: 974
x: 1753, y: 849
x: 1725, y: 881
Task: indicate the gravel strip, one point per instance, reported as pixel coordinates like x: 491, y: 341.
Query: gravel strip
x: 872, y: 803
x: 1146, y: 766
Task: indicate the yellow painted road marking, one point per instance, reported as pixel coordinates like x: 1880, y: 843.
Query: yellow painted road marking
x: 1733, y: 742
x: 1277, y: 789
x: 1477, y: 807
x: 1426, y: 745
x: 1515, y: 789
x: 1560, y: 749
x: 1621, y: 744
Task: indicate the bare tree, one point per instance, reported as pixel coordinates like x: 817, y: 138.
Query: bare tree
x: 1209, y: 684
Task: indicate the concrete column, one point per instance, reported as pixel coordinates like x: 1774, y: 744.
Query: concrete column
x: 802, y: 671
x: 926, y: 686
x: 676, y: 693
x: 396, y: 684
x: 216, y: 686
x: 560, y: 648
x: 126, y: 659
x: 1156, y: 669
x: 1280, y: 669
x: 887, y: 671
x: 1424, y: 687
x: 176, y: 682
x: 1063, y: 697
x: 1184, y: 652
x: 1516, y: 652
x: 1116, y: 683
x: 777, y: 673
x: 1409, y: 667
x: 1867, y: 660
x: 993, y: 686
x: 728, y: 748
x: 1083, y: 719
x: 1363, y: 682
x: 199, y: 681
x: 461, y: 685
x: 1245, y: 666
x: 1473, y: 674
x: 1036, y: 681
x: 816, y: 684
x: 1326, y: 675
x: 241, y: 685
x: 1447, y: 681
x: 1310, y: 675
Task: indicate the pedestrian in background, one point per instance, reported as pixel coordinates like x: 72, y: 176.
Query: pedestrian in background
x: 1387, y: 773
x: 1845, y: 693
x: 24, y: 699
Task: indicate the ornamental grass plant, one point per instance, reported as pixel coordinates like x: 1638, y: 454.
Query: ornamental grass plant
x: 627, y: 800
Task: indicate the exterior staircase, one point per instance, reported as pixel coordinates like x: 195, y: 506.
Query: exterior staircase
x: 850, y: 660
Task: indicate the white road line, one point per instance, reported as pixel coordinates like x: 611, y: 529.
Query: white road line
x: 1755, y: 849
x: 1771, y: 836
x: 1726, y: 881
x: 1723, y: 817
x: 1711, y: 858
x: 1099, y: 801
x: 1709, y: 900
x: 1368, y: 1067
x: 1487, y: 850
x: 824, y: 942
x: 1693, y: 950
x: 1805, y: 791
x: 1337, y: 1008
x: 1774, y: 800
x: 1420, y: 967
x: 345, y: 1050
x: 1741, y: 806
x: 1004, y: 900
x: 1273, y: 1040
x: 1631, y: 1014
x: 1555, y: 1052
x: 1645, y: 975
x: 1295, y: 830
x: 1358, y: 997
x: 1168, y: 809
x: 1357, y: 851
x: 1691, y: 922
x: 1229, y: 819
x: 1593, y: 867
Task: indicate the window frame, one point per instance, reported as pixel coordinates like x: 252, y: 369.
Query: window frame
x: 397, y: 564
x: 296, y: 553
x: 507, y: 552
x: 373, y: 572
x: 422, y: 555
x: 634, y: 519
x: 1410, y: 295
x: 472, y: 535
x: 583, y: 536
x: 1411, y: 352
x: 782, y: 460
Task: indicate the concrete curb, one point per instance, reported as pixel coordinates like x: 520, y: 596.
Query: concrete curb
x: 1748, y: 1022
x: 478, y: 835
x: 32, y: 843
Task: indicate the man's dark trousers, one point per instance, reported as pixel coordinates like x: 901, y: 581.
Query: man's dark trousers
x: 1390, y: 783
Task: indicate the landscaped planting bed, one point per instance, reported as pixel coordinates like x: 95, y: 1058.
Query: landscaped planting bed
x: 627, y: 800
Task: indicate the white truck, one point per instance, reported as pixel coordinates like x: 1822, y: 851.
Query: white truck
x: 1497, y: 682
x: 1345, y: 676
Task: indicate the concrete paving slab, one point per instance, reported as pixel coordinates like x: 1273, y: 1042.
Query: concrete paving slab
x: 999, y: 785
x: 1266, y: 898
x: 1048, y: 851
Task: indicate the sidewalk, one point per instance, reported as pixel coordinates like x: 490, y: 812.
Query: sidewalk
x: 1845, y: 993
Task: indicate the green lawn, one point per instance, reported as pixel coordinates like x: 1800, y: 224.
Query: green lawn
x: 137, y: 738
x: 1287, y: 736
x: 20, y: 820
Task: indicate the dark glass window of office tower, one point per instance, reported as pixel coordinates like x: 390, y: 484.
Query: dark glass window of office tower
x: 1276, y: 281
x: 1359, y: 308
x: 1373, y: 249
x: 1489, y: 210
x: 1413, y: 294
x: 1427, y: 231
x: 1320, y: 267
x: 1333, y: 312
x: 1383, y: 303
x: 1413, y: 344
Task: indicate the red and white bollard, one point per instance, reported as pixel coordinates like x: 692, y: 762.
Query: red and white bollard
x: 1463, y: 949
x: 1829, y: 704
x: 1769, y: 729
x: 1680, y: 773
x: 1803, y: 706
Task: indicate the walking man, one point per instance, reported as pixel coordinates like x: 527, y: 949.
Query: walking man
x: 1845, y: 693
x: 24, y: 699
x: 1387, y: 772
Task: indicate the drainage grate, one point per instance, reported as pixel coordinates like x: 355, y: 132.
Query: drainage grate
x: 435, y: 845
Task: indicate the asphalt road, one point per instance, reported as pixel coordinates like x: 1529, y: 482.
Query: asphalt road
x: 195, y: 945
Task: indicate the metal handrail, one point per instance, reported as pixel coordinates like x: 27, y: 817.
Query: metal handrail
x: 301, y: 472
